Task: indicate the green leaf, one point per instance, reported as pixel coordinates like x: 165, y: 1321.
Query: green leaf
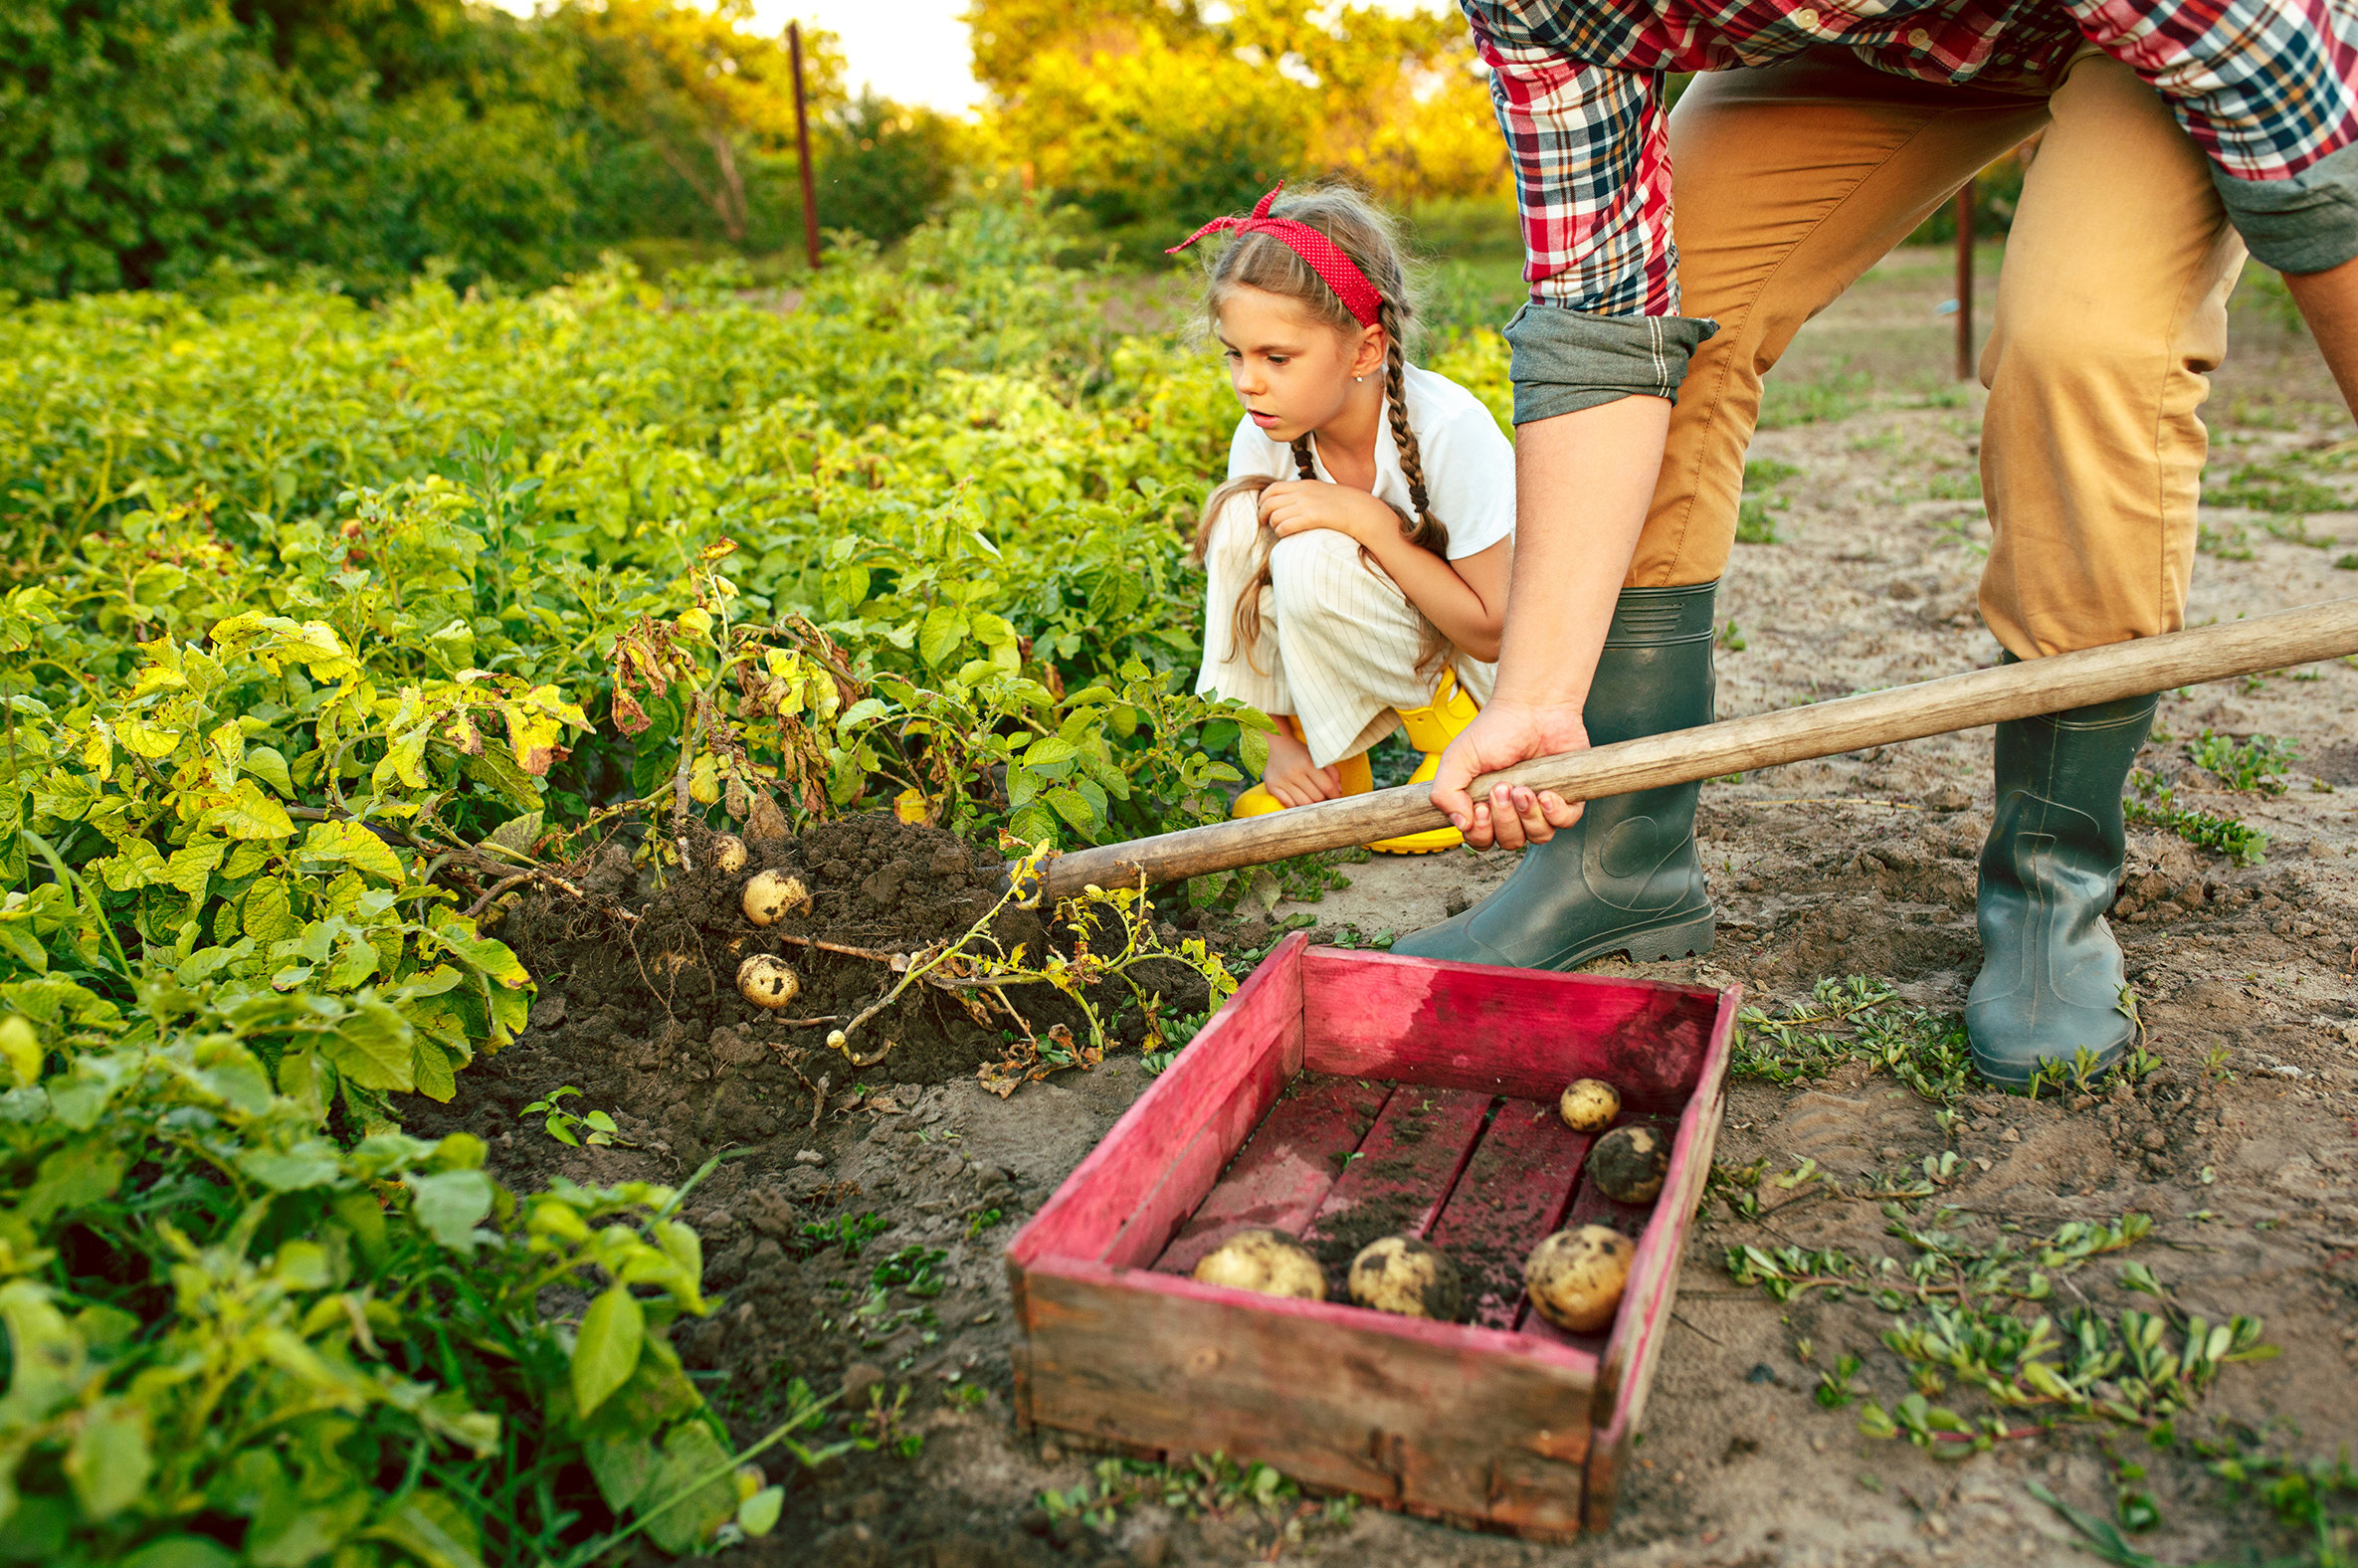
x: 691, y: 1453
x: 295, y: 1171
x: 450, y: 1205
x: 108, y: 1464
x: 269, y: 765
x: 758, y: 1515
x: 181, y: 1551
x: 432, y: 1528
x: 606, y: 1352
x: 944, y: 629
x: 20, y: 1047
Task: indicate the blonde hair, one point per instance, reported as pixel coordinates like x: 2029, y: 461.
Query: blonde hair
x: 1370, y: 238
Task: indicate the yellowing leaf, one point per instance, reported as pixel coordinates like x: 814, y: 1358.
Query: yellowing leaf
x: 351, y: 843
x: 249, y: 813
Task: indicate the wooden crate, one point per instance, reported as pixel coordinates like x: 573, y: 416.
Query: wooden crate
x: 1441, y: 1079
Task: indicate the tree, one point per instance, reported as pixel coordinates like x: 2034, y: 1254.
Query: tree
x: 701, y: 90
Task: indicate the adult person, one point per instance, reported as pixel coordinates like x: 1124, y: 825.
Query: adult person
x: 2175, y: 137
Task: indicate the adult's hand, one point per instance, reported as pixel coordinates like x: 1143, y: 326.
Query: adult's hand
x: 1503, y: 734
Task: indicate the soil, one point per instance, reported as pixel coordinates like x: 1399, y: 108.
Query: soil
x: 2241, y: 1146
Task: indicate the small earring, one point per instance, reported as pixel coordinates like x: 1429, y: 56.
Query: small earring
x: 1359, y: 378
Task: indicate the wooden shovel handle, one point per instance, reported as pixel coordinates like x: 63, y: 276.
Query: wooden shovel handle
x: 1852, y: 723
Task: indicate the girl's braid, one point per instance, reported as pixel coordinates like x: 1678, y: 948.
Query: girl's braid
x: 1303, y: 463
x: 1403, y: 438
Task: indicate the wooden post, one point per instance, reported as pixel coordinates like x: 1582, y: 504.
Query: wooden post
x: 802, y: 149
x: 1964, y: 281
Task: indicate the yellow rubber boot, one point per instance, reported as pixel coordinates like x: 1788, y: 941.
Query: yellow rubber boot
x: 1430, y: 730
x: 1357, y: 779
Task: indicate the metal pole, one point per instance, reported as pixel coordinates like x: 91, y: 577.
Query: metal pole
x: 1964, y: 281
x: 802, y: 149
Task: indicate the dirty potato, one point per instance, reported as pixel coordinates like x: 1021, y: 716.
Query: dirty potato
x: 728, y: 854
x: 1627, y: 1165
x: 1575, y: 1277
x: 1589, y: 1104
x: 1400, y: 1273
x: 772, y: 896
x: 1269, y: 1261
x: 767, y: 982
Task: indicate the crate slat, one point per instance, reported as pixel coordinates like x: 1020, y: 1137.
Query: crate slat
x: 1512, y: 1193
x: 1413, y: 1157
x: 1284, y: 1170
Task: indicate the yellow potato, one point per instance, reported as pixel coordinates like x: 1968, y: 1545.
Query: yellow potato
x: 767, y: 982
x: 1268, y: 1262
x: 1400, y: 1273
x: 728, y: 854
x: 1627, y: 1165
x: 1575, y: 1277
x: 772, y: 896
x: 1589, y: 1104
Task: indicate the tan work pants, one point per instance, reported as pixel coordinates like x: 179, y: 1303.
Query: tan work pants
x: 2111, y: 308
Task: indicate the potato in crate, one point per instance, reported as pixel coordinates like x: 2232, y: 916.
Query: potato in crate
x: 1356, y: 1127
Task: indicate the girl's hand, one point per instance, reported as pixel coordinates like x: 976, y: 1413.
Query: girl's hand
x: 1294, y: 778
x: 1503, y: 734
x: 1292, y: 507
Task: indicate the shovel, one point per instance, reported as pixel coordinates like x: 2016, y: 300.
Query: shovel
x: 1738, y: 745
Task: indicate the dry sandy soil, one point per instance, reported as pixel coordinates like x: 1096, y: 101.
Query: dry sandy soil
x: 2241, y: 1147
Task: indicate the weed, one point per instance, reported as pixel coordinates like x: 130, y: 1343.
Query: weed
x: 851, y: 1233
x: 2228, y: 545
x: 2279, y: 488
x: 1962, y: 485
x: 2303, y: 1495
x: 1837, y: 396
x: 1766, y: 473
x: 912, y: 1269
x: 1756, y: 519
x: 2155, y: 805
x: 564, y: 1127
x: 2257, y: 763
x: 1857, y: 1019
x: 1834, y: 1389
x: 1732, y: 639
x: 879, y: 1429
x: 1202, y: 1484
x: 980, y: 1222
x: 2347, y: 563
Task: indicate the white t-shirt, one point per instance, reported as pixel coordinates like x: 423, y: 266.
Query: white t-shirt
x: 1469, y: 461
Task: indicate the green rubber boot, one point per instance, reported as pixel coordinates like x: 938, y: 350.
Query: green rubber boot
x: 1623, y: 878
x: 2052, y: 980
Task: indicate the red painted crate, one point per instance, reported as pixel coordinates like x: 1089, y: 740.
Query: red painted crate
x: 1443, y: 1079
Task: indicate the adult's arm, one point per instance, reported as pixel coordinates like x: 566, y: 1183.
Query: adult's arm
x: 2328, y: 301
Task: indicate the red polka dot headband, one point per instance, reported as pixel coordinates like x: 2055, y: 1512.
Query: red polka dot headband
x: 1326, y: 258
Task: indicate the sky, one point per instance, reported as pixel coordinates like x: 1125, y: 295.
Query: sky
x: 910, y: 51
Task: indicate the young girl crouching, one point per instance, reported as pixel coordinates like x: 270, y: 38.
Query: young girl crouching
x: 1357, y: 556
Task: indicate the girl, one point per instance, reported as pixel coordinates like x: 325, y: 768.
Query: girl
x: 1358, y: 553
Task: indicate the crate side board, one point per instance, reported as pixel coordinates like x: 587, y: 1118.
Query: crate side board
x: 1626, y: 1375
x: 1467, y: 1422
x: 1515, y: 1031
x: 1255, y: 1043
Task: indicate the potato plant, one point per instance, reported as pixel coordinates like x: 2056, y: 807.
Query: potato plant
x: 323, y: 630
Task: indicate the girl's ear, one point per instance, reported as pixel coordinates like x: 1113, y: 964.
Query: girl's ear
x: 1369, y: 357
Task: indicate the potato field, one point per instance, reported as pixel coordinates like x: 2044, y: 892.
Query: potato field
x: 516, y: 1050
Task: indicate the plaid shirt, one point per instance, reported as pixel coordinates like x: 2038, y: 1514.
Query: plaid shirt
x: 2265, y: 88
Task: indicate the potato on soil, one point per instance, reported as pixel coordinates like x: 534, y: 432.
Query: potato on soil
x: 1400, y: 1273
x: 767, y: 982
x: 1269, y: 1261
x: 1627, y: 1165
x: 1589, y: 1104
x: 1576, y: 1277
x: 729, y: 853
x: 772, y: 896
